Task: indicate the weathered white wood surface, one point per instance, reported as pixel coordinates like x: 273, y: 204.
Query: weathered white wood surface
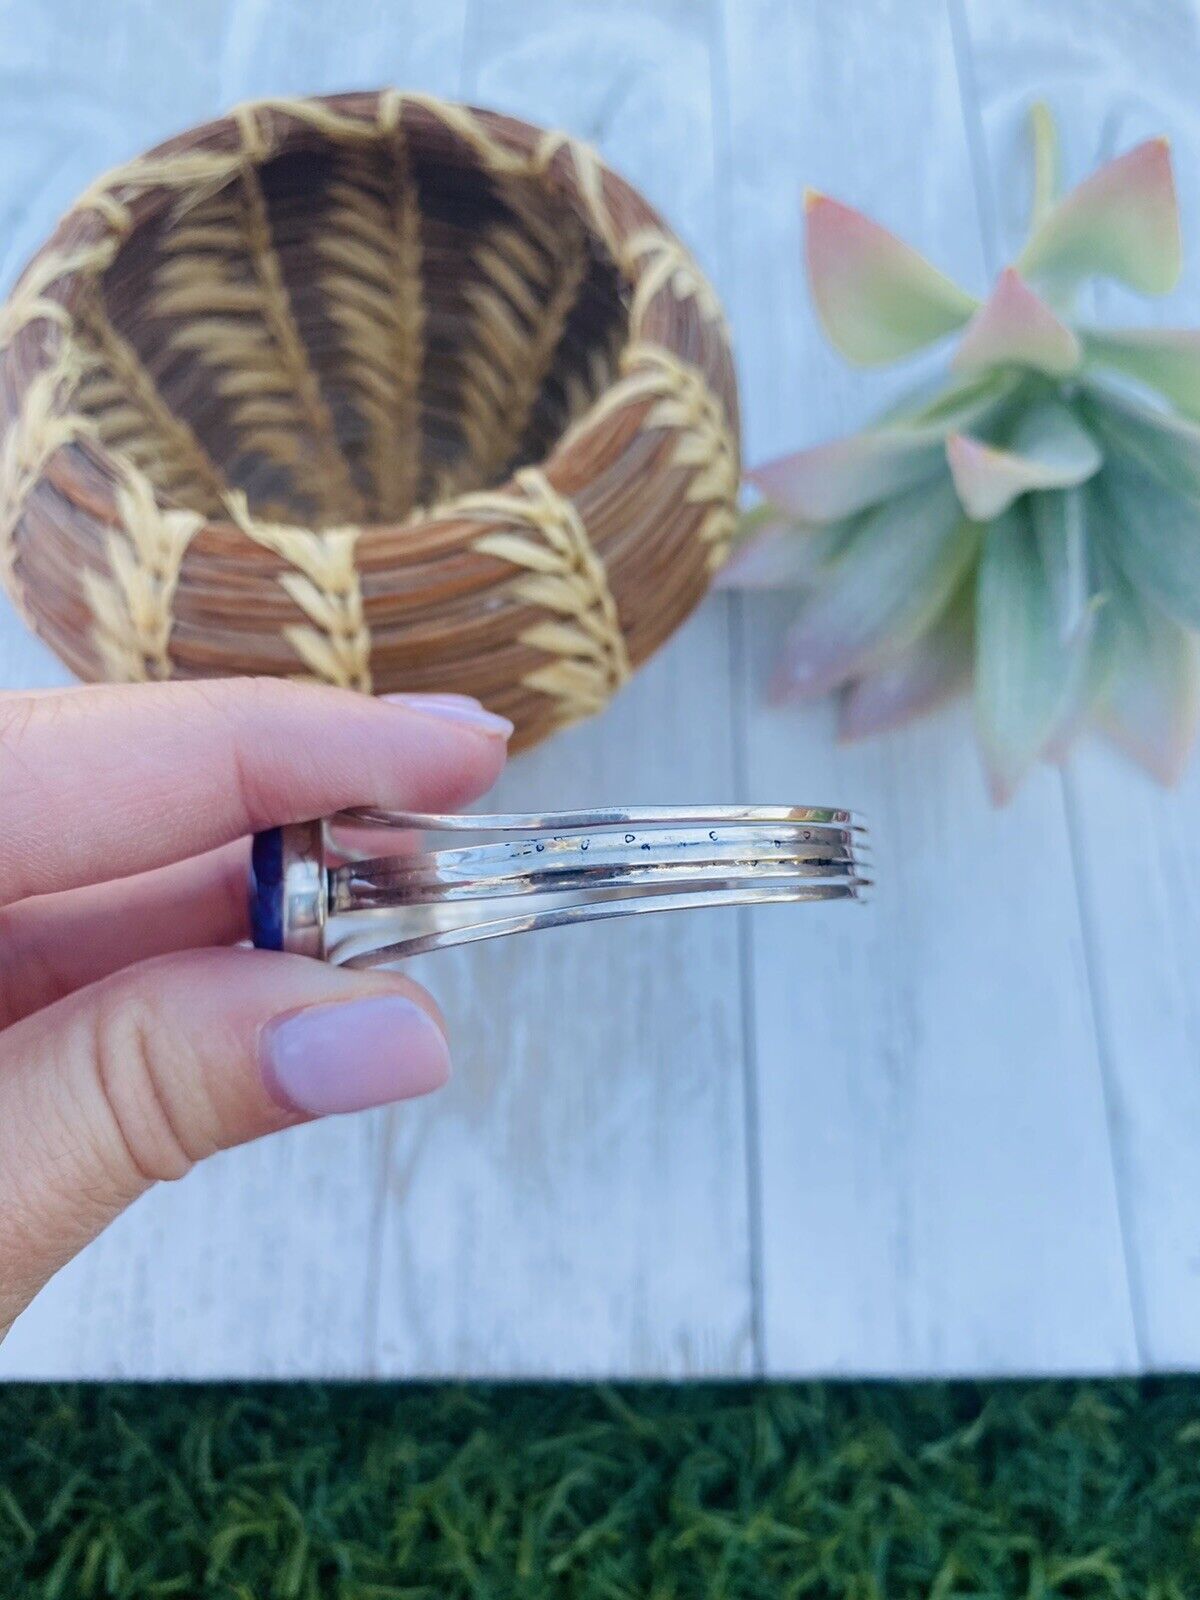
x: 1121, y: 74
x: 953, y: 1132
x: 928, y: 1090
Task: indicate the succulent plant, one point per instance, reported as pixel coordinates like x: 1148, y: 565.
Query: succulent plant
x: 1034, y: 523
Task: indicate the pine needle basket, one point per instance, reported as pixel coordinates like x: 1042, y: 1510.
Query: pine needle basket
x: 372, y: 388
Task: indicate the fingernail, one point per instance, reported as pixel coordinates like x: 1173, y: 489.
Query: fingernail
x: 454, y: 708
x: 352, y: 1054
x: 442, y: 698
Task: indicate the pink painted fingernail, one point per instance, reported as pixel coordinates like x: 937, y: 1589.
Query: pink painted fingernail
x: 454, y: 708
x: 351, y: 1054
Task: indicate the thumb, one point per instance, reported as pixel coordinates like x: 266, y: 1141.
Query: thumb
x: 135, y: 1079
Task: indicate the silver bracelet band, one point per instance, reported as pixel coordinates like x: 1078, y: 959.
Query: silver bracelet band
x: 361, y: 889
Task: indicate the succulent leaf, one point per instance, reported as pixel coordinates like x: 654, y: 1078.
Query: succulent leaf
x: 1025, y: 674
x: 1167, y: 446
x: 895, y: 572
x: 1060, y: 527
x: 838, y: 479
x: 777, y: 552
x: 830, y: 481
x: 935, y: 667
x: 1044, y: 134
x: 1017, y: 328
x: 1150, y: 700
x: 876, y: 297
x: 959, y: 404
x: 1166, y: 359
x: 1049, y: 450
x: 1152, y: 533
x: 1122, y: 222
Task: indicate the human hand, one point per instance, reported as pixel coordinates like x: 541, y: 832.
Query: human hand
x: 135, y: 1041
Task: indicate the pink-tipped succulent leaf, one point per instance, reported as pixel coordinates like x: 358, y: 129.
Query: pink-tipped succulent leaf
x: 1122, y: 223
x: 876, y: 297
x: 1049, y: 450
x: 836, y: 480
x: 1017, y: 328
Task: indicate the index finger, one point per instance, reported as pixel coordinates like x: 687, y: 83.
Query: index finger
x: 100, y: 782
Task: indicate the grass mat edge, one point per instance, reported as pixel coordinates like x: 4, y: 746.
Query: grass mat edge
x: 865, y: 1491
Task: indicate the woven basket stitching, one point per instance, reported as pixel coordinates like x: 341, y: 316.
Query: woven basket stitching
x: 684, y: 404
x: 589, y: 183
x: 28, y: 302
x: 133, y: 611
x: 373, y: 291
x: 602, y: 369
x: 243, y: 327
x: 566, y: 577
x: 334, y: 489
x: 521, y: 305
x: 198, y: 175
x: 206, y: 173
x: 195, y: 175
x: 459, y: 120
x: 132, y: 417
x: 706, y: 445
x: 43, y: 425
x: 656, y: 261
x: 325, y: 586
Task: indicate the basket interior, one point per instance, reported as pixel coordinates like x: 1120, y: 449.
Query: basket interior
x: 349, y: 335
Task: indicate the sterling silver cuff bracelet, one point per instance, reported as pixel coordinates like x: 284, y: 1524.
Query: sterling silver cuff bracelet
x: 360, y: 889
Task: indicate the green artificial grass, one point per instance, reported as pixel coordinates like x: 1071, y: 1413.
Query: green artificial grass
x: 862, y: 1491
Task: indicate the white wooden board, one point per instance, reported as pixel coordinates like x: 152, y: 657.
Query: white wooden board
x: 954, y: 1131
x: 1117, y: 75
x: 928, y: 1083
